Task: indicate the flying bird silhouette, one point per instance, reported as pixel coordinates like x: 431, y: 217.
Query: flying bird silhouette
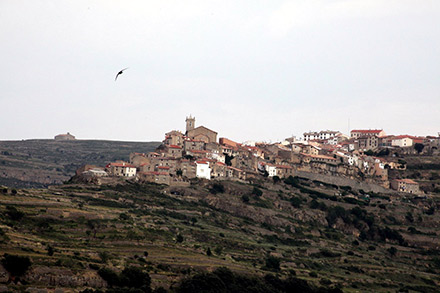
x: 120, y: 72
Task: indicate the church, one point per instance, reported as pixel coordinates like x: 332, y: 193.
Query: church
x: 200, y: 133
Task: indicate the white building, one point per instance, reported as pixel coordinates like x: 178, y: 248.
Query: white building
x: 402, y: 141
x: 271, y: 169
x: 122, y: 169
x: 203, y: 170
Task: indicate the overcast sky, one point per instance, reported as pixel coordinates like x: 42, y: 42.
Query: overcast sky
x: 250, y: 70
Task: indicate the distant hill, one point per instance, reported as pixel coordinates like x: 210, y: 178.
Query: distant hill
x: 39, y: 163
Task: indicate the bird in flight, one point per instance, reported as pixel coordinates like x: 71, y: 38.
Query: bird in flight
x: 120, y: 72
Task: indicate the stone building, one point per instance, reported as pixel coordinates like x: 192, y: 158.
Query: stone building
x: 62, y: 137
x: 200, y: 133
x: 405, y: 185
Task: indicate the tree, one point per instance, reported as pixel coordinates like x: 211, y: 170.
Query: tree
x: 16, y: 265
x: 419, y: 147
x: 179, y: 172
x: 256, y: 191
x: 273, y: 263
x: 276, y: 179
x: 208, y: 252
x: 179, y: 238
x: 392, y: 251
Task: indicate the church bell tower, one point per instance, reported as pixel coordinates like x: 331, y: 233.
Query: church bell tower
x: 190, y: 123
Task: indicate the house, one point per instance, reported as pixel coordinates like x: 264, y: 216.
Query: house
x: 94, y: 172
x: 193, y: 145
x: 236, y: 173
x: 199, y: 133
x: 174, y: 151
x: 157, y: 162
x: 311, y: 149
x: 174, y: 137
x: 227, y: 142
x: 271, y: 169
x: 311, y: 135
x: 63, y: 137
x: 367, y: 142
x: 402, y: 141
x: 219, y: 169
x: 322, y: 135
x: 370, y: 132
x: 284, y: 171
x: 203, y: 170
x: 188, y: 168
x: 122, y: 169
x: 155, y: 177
x: 319, y: 158
x: 138, y: 159
x: 405, y: 185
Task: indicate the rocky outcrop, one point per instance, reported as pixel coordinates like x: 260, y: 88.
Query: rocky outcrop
x: 63, y: 277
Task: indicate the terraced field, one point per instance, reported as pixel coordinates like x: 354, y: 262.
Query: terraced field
x: 298, y: 228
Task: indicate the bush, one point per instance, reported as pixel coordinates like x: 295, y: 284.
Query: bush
x: 392, y: 251
x: 16, y: 265
x: 13, y: 213
x: 131, y: 277
x: 296, y: 202
x: 245, y: 198
x: 179, y: 238
x: 217, y: 188
x: 257, y: 192
x: 272, y: 263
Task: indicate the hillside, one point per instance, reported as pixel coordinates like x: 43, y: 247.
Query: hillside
x: 39, y: 163
x: 312, y: 231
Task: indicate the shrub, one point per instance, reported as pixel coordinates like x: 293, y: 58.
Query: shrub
x: 296, y: 202
x: 245, y: 198
x: 272, y: 263
x: 13, y: 213
x: 217, y: 188
x: 179, y: 238
x: 257, y: 192
x: 392, y: 251
x: 16, y: 265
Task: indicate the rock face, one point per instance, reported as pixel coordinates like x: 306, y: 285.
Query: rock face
x: 64, y: 278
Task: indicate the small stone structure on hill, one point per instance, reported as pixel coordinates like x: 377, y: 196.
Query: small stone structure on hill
x: 62, y: 137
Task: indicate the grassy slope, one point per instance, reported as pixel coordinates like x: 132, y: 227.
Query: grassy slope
x: 38, y: 163
x: 91, y: 227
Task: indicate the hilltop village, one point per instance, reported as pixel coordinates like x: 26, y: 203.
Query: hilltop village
x: 364, y: 156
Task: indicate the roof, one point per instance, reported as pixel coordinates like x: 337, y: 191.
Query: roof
x: 174, y: 146
x: 163, y: 167
x: 407, y: 181
x: 235, y: 169
x: 284, y: 167
x: 204, y: 128
x: 367, y: 131
x: 319, y: 157
x: 403, y: 136
x: 122, y: 165
x: 201, y: 162
x: 198, y: 151
x: 153, y: 173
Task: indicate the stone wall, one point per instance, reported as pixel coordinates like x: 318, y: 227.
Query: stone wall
x: 344, y: 181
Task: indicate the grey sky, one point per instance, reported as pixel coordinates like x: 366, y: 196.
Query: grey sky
x: 251, y: 70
